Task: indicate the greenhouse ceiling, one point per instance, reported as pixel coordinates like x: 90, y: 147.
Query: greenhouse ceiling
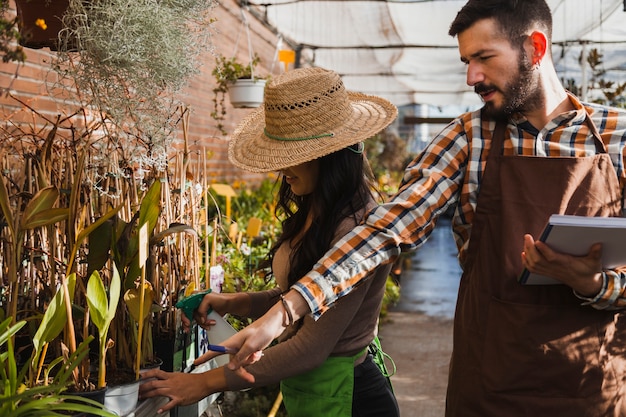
x: 401, y: 50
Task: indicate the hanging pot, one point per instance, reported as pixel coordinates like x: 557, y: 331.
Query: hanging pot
x: 40, y: 21
x: 246, y: 93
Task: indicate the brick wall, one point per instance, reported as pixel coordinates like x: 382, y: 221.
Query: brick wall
x: 30, y: 84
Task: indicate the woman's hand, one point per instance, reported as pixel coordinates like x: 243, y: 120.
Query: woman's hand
x: 246, y: 347
x: 248, y: 343
x: 582, y: 273
x: 180, y: 388
x: 221, y: 303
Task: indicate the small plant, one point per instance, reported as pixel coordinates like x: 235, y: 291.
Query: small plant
x: 102, y: 311
x: 226, y: 72
x: 19, y: 398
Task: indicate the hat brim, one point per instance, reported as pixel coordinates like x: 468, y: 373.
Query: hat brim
x: 252, y: 150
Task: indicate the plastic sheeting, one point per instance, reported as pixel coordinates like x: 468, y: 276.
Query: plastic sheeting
x: 401, y: 50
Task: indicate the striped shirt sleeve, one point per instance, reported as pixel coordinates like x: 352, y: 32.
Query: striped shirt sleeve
x: 448, y: 173
x: 432, y: 182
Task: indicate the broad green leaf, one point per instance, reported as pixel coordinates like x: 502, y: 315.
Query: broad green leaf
x: 53, y: 320
x: 132, y: 273
x: 7, y: 332
x: 102, y: 310
x: 99, y: 246
x: 45, y: 218
x: 43, y: 200
x: 97, y: 300
x: 132, y: 298
x: 87, y: 230
x: 150, y: 207
x: 115, y: 291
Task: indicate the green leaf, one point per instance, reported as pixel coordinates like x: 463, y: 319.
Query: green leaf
x: 115, y: 291
x: 102, y: 310
x: 150, y: 207
x: 45, y: 218
x: 43, y: 200
x: 132, y: 297
x: 132, y: 273
x: 87, y: 230
x: 97, y: 300
x: 73, y: 361
x: 99, y: 246
x: 7, y: 332
x: 53, y: 320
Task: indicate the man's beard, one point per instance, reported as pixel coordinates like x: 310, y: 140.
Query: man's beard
x: 520, y: 94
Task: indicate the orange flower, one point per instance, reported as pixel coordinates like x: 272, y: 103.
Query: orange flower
x: 41, y: 23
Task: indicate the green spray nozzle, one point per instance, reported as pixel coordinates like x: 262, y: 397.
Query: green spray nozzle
x: 189, y: 304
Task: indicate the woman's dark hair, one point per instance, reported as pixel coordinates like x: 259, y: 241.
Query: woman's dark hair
x: 514, y: 17
x: 344, y: 188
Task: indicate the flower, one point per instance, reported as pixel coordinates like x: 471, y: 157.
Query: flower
x: 41, y: 23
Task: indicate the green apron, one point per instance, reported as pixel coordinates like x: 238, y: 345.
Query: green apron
x: 323, y: 391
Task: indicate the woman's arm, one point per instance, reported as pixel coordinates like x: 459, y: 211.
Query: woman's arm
x: 181, y: 388
x: 313, y: 342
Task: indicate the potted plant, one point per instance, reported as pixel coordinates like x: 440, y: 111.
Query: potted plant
x: 40, y: 21
x: 244, y: 87
x: 18, y: 398
x: 120, y: 241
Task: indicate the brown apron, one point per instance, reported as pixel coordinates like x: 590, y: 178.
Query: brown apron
x: 533, y: 350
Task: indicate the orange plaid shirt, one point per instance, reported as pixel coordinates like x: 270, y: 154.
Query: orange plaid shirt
x: 447, y: 174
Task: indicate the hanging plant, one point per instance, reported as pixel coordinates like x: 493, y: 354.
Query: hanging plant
x: 40, y: 22
x: 228, y: 72
x: 128, y: 59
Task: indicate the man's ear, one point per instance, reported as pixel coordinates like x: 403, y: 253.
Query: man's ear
x: 539, y: 45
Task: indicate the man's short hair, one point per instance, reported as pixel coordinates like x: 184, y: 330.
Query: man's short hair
x: 513, y: 17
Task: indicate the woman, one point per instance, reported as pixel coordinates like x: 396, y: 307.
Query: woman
x: 310, y: 130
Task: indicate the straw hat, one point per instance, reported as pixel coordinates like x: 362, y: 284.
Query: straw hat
x: 307, y: 114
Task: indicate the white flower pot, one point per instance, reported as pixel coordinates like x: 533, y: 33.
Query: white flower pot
x: 246, y: 93
x: 122, y: 399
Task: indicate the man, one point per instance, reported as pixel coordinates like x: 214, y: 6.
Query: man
x: 533, y: 150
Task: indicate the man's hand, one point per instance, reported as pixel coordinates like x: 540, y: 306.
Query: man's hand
x: 582, y: 273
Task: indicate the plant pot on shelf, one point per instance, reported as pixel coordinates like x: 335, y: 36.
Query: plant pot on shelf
x: 40, y: 21
x: 246, y: 93
x: 122, y: 399
x: 155, y: 364
x: 95, y: 395
x: 122, y: 396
